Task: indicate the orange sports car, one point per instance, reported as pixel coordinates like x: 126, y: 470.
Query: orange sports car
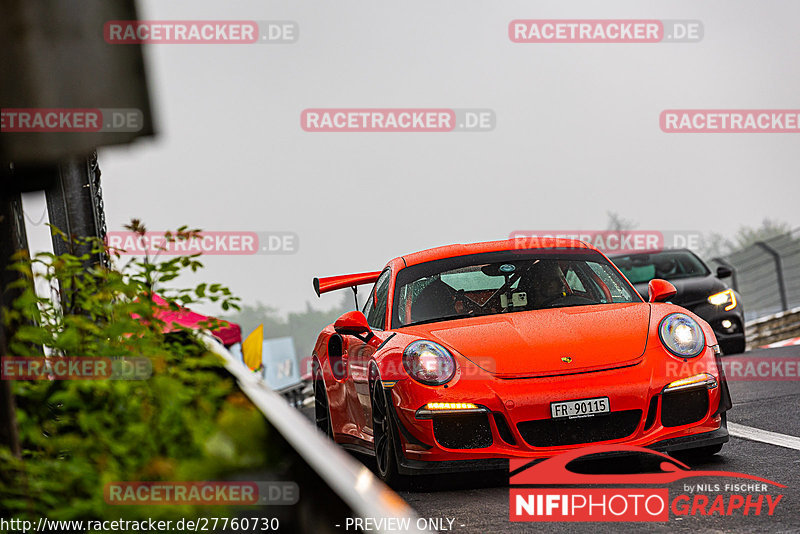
x: 467, y: 355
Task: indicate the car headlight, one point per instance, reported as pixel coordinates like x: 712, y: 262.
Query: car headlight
x: 429, y: 363
x: 726, y: 298
x: 681, y: 335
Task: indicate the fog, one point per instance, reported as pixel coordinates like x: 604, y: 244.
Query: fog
x: 577, y: 131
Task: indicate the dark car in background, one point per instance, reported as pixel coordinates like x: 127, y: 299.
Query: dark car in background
x: 699, y: 290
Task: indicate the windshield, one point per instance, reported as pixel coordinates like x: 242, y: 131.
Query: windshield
x: 669, y: 265
x: 504, y: 282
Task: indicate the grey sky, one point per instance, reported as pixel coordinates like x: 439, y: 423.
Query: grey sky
x: 577, y: 131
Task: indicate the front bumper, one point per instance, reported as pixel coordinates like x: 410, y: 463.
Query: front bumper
x: 417, y: 467
x: 706, y: 439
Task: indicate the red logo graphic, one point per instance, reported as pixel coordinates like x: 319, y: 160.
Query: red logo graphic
x: 620, y: 503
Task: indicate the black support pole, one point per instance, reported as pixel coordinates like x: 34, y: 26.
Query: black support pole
x: 776, y: 257
x: 75, y: 206
x: 12, y: 239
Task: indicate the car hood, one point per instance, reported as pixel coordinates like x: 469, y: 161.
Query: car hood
x: 548, y: 342
x: 690, y: 290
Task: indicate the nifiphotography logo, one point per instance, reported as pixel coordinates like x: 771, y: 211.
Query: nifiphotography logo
x: 552, y: 490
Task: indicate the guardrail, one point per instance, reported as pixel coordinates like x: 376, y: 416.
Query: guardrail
x: 773, y: 328
x: 353, y: 482
x: 767, y: 274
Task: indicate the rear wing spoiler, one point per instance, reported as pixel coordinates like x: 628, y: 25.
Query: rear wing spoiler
x: 332, y: 283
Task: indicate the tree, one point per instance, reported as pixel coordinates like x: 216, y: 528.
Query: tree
x: 616, y: 223
x: 303, y: 327
x: 715, y: 244
x: 769, y: 228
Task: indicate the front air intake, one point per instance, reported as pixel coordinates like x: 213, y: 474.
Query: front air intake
x: 558, y: 432
x: 684, y: 407
x: 462, y: 431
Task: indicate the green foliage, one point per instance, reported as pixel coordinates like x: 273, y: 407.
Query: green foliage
x: 187, y: 422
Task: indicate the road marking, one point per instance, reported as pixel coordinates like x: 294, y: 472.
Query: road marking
x: 764, y: 436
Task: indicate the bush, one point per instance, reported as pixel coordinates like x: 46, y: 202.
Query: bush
x: 187, y: 422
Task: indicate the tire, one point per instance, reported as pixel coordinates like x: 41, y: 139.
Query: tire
x: 322, y: 413
x: 384, y: 439
x: 733, y: 347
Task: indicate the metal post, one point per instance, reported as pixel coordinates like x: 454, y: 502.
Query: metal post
x: 778, y: 271
x: 75, y: 205
x: 734, y: 278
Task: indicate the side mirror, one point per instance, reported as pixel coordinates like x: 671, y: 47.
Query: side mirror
x: 723, y: 272
x: 660, y: 290
x: 352, y: 323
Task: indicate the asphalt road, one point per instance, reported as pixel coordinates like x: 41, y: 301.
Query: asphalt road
x: 479, y: 503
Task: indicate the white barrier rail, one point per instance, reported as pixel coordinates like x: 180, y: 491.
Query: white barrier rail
x: 355, y: 484
x: 773, y: 328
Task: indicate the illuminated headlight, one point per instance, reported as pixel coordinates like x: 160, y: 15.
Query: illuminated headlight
x: 726, y: 298
x: 681, y: 335
x: 429, y: 363
x: 703, y: 379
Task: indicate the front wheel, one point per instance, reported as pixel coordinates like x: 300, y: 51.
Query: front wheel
x: 384, y: 438
x: 322, y: 413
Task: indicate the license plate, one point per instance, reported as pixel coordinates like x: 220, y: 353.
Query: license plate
x: 579, y: 408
